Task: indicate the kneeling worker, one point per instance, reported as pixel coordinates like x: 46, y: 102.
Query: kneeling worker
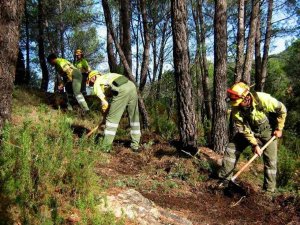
x: 122, y: 94
x: 257, y: 117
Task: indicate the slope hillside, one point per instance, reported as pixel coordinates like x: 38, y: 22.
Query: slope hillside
x: 51, y: 173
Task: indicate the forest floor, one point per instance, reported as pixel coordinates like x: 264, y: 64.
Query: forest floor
x: 178, y: 183
x: 174, y: 180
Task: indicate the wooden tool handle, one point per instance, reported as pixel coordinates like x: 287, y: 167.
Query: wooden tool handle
x: 252, y: 159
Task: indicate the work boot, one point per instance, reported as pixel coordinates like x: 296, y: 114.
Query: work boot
x: 222, y: 184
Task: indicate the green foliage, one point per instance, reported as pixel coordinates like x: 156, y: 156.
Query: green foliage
x: 88, y: 41
x: 287, y: 165
x: 44, y: 169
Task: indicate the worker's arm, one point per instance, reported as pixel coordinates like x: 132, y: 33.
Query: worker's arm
x: 244, y: 128
x: 271, y: 104
x: 98, y: 90
x: 85, y: 66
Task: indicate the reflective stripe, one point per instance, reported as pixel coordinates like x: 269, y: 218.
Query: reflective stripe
x: 111, y: 124
x: 271, y: 172
x: 135, y: 124
x: 231, y: 150
x: 135, y: 132
x: 109, y: 132
x: 232, y: 160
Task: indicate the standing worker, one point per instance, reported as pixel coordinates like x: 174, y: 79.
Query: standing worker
x: 81, y: 64
x: 257, y: 117
x: 70, y: 78
x: 122, y: 94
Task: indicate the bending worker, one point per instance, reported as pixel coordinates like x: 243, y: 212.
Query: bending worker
x: 122, y: 94
x: 81, y: 64
x: 257, y: 116
x: 70, y: 78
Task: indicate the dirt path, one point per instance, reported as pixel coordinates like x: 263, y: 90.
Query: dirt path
x: 172, y: 181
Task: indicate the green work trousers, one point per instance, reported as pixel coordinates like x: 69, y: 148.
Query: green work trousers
x: 125, y: 97
x: 239, y: 143
x: 74, y: 88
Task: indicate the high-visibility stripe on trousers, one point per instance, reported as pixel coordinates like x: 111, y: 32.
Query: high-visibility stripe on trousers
x: 238, y: 144
x: 76, y: 85
x: 126, y: 97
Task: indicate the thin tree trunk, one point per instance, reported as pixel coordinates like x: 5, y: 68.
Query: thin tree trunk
x: 146, y: 53
x: 109, y: 24
x: 41, y: 22
x: 206, y: 92
x: 162, y: 56
x: 112, y: 61
x: 10, y: 18
x: 267, y: 45
x: 125, y: 15
x: 257, y: 55
x: 198, y: 65
x: 250, y: 44
x: 240, y: 42
x: 219, y: 127
x: 20, y: 76
x: 185, y: 104
x: 27, y: 46
x: 136, y: 39
x: 61, y: 31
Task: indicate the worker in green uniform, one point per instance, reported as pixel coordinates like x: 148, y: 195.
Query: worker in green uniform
x: 81, y: 64
x: 257, y: 117
x: 116, y: 93
x: 70, y: 78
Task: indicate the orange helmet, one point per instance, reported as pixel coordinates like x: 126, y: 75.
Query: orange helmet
x: 237, y: 93
x: 78, y: 52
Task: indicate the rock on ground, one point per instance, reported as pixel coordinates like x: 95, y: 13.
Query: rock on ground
x: 131, y: 204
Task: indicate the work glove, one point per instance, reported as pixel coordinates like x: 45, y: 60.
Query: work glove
x: 278, y: 133
x: 256, y: 149
x: 60, y: 87
x: 104, y: 107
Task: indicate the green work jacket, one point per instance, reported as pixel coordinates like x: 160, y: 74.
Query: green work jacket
x: 82, y: 65
x: 64, y: 68
x: 262, y: 105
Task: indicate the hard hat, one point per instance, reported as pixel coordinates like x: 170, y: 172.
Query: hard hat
x: 93, y: 73
x: 78, y: 52
x: 237, y: 93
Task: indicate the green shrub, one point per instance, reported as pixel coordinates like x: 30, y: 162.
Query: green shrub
x: 287, y: 165
x: 43, y: 169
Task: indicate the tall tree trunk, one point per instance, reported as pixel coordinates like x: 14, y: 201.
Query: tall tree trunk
x: 109, y: 24
x: 27, y: 76
x: 10, y: 18
x: 112, y: 61
x: 162, y: 55
x: 154, y: 42
x: 125, y: 15
x: 257, y: 55
x: 146, y: 53
x: 206, y: 92
x: 250, y: 44
x: 41, y: 22
x: 240, y: 42
x: 185, y: 104
x: 61, y: 31
x: 20, y: 69
x: 219, y: 127
x: 136, y: 39
x: 198, y: 65
x: 266, y: 46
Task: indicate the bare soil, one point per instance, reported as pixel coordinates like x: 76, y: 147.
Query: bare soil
x: 198, y: 200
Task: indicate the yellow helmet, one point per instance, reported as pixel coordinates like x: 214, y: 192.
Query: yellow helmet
x: 78, y: 52
x: 237, y: 93
x: 93, y: 73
